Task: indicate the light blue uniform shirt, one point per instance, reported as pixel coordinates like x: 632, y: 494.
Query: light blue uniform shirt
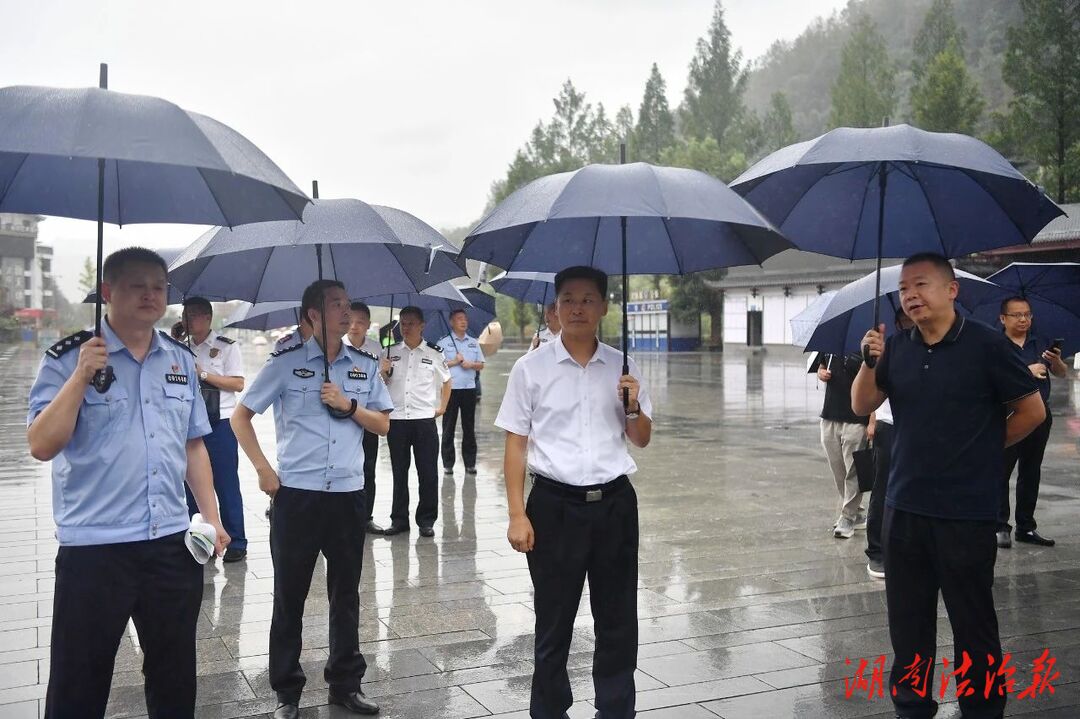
x: 469, y: 348
x: 316, y: 451
x: 121, y: 476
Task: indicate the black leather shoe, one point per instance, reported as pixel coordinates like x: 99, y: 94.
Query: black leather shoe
x: 287, y: 711
x: 356, y: 702
x: 1004, y: 541
x: 372, y: 528
x: 470, y: 470
x: 427, y: 532
x: 234, y: 555
x: 395, y: 529
x: 1034, y: 537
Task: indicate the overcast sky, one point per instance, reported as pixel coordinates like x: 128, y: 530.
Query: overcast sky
x: 419, y: 105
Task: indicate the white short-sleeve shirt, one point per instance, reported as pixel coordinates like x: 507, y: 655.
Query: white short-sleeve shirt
x: 416, y: 381
x: 572, y: 415
x: 220, y: 355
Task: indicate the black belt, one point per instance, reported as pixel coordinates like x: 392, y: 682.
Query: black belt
x: 585, y: 493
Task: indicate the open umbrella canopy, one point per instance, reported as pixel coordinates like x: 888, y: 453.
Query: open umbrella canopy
x: 1053, y: 292
x: 480, y: 313
x: 837, y: 324
x: 370, y: 248
x: 677, y: 221
x: 944, y: 193
x: 264, y: 316
x: 535, y: 287
x: 162, y: 163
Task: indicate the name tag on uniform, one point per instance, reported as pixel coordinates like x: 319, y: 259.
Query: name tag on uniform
x: 176, y: 378
x: 395, y: 358
x: 357, y: 374
x: 303, y: 372
x: 425, y: 360
x: 472, y: 345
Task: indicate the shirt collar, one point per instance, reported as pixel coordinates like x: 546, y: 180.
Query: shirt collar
x: 562, y: 354
x: 114, y: 344
x: 314, y: 351
x: 951, y: 336
x: 210, y: 337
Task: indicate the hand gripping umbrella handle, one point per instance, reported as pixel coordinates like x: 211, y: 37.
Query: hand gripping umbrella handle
x: 343, y: 413
x: 869, y: 361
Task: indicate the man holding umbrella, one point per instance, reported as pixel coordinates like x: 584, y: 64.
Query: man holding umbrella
x: 465, y: 360
x: 120, y: 458
x: 959, y: 397
x: 566, y: 426
x: 329, y: 398
x: 357, y: 338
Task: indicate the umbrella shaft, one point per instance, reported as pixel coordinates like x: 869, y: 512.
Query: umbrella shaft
x: 100, y: 242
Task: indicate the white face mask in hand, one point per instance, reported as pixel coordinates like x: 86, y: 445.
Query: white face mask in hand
x: 200, y: 539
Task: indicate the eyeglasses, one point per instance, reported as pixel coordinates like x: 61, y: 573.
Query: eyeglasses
x: 1019, y: 315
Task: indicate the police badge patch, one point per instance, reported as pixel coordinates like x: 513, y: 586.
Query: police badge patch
x: 214, y: 351
x: 303, y: 372
x: 425, y: 360
x: 355, y: 373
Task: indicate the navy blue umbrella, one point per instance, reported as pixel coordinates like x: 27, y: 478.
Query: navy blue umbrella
x: 1052, y: 290
x: 94, y: 154
x: 265, y: 315
x: 535, y: 287
x: 839, y: 320
x: 480, y: 313
x: 624, y: 219
x: 893, y: 192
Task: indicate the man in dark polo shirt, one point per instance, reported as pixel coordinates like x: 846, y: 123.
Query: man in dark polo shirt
x: 959, y: 396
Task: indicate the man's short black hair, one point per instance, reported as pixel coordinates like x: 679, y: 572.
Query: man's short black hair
x: 936, y: 260
x: 359, y: 306
x: 1014, y: 298
x: 412, y: 310
x: 200, y: 305
x: 314, y: 295
x: 116, y: 262
x: 458, y: 311
x: 582, y: 272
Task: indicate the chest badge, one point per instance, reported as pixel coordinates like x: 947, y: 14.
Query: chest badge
x: 355, y: 373
x: 303, y: 372
x: 214, y: 352
x: 175, y: 377
x: 395, y: 358
x: 426, y: 360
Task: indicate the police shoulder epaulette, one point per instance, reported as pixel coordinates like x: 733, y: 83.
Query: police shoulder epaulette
x: 226, y: 340
x: 176, y: 342
x: 283, y: 350
x: 68, y: 343
x: 363, y: 352
x: 433, y: 346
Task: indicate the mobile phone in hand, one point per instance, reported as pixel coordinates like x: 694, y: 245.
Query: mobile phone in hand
x: 1058, y: 343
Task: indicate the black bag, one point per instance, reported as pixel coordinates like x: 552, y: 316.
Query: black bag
x: 865, y: 467
x: 212, y: 397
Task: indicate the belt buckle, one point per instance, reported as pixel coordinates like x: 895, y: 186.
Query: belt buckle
x: 594, y: 495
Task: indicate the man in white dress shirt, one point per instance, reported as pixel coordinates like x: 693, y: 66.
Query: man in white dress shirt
x: 566, y: 427
x: 419, y: 382
x: 551, y: 327
x: 357, y: 338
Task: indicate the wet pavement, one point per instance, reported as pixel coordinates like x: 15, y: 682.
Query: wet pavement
x: 748, y: 606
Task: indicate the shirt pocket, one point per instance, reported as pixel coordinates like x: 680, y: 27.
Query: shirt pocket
x: 358, y: 390
x: 104, y: 413
x: 177, y: 404
x: 302, y: 401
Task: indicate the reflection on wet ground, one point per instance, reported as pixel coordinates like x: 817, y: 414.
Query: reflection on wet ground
x: 749, y: 607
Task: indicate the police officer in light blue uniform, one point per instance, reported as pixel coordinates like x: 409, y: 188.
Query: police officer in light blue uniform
x: 318, y: 490
x: 465, y: 360
x: 120, y: 459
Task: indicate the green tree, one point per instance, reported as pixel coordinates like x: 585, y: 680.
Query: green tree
x: 1042, y: 66
x: 777, y: 128
x: 865, y: 90
x: 947, y: 98
x: 655, y: 129
x: 704, y: 155
x: 87, y: 278
x: 713, y: 101
x: 938, y: 32
x: 522, y: 315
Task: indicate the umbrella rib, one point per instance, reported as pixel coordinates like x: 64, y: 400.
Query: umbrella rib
x: 930, y: 206
x: 673, y: 252
x: 7, y: 188
x: 596, y: 239
x: 862, y: 209
x: 213, y: 194
x: 975, y: 179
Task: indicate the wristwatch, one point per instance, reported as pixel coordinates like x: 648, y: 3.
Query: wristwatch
x: 633, y: 414
x: 203, y: 375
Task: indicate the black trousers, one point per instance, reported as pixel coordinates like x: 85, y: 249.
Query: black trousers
x: 922, y: 556
x: 371, y: 456
x: 302, y: 524
x: 1028, y: 454
x: 421, y: 438
x: 883, y: 437
x: 464, y: 400
x: 157, y: 584
x: 575, y: 540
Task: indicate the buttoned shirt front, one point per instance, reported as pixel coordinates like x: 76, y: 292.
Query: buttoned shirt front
x: 469, y: 348
x: 416, y: 381
x: 316, y: 451
x: 572, y: 415
x: 220, y: 355
x: 120, y: 478
x: 370, y: 344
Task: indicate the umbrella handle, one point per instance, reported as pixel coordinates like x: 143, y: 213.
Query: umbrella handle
x: 343, y: 413
x: 870, y: 362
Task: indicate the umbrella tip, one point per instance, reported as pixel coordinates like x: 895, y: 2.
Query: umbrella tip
x: 103, y: 76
